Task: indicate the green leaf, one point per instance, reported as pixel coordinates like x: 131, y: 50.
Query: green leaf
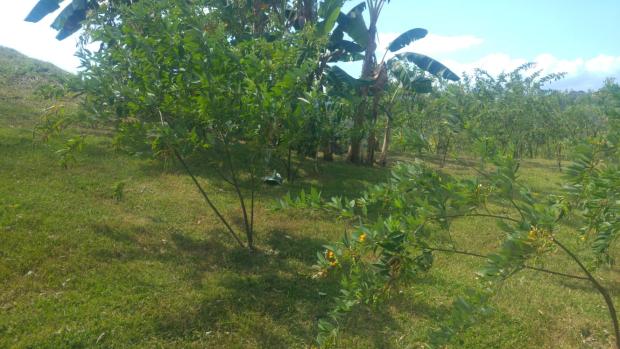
x: 406, y: 38
x: 418, y: 84
x: 349, y: 46
x: 353, y: 24
x: 346, y: 57
x: 42, y: 9
x: 428, y: 64
x: 329, y: 11
x: 69, y: 20
x: 340, y: 77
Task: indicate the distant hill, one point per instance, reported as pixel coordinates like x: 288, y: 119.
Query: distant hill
x: 20, y: 79
x: 20, y: 70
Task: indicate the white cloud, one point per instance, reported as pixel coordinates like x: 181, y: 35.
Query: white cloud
x: 603, y: 64
x: 581, y: 73
x: 497, y: 62
x: 432, y: 45
x: 494, y: 64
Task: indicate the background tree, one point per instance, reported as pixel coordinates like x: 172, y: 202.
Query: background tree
x: 374, y: 75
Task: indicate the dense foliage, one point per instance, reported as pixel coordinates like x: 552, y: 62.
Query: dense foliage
x: 512, y: 114
x: 399, y: 225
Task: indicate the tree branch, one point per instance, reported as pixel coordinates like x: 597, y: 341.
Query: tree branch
x: 206, y: 197
x: 480, y: 215
x: 602, y: 290
x: 543, y: 270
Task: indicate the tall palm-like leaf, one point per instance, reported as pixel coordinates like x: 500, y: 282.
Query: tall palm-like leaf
x: 406, y: 38
x: 68, y: 21
x: 354, y: 25
x: 428, y: 64
x: 42, y: 9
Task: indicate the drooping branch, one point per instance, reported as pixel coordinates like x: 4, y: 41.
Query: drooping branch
x: 543, y: 270
x: 602, y: 290
x: 479, y: 215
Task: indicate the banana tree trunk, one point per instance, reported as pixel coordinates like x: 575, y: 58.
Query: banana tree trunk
x: 355, y: 147
x: 368, y: 70
x: 309, y: 10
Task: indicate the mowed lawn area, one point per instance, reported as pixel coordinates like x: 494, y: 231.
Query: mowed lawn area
x: 118, y: 251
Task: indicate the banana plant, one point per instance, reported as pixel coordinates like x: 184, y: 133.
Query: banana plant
x: 70, y: 18
x: 353, y: 24
x: 407, y: 83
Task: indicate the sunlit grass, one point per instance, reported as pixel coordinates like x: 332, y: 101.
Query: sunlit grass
x: 81, y: 268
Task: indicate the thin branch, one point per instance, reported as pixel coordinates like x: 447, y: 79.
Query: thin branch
x: 163, y: 121
x: 512, y: 201
x: 206, y: 197
x: 479, y: 215
x: 233, y: 174
x: 472, y: 254
x: 602, y: 290
x: 253, y: 179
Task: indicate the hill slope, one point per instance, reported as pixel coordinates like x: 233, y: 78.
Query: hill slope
x: 20, y: 78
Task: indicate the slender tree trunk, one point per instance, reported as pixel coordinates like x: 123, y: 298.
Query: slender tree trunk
x: 246, y: 221
x: 289, y: 166
x: 600, y: 288
x: 445, y: 152
x: 559, y: 156
x: 207, y: 199
x: 316, y: 158
x: 386, y: 142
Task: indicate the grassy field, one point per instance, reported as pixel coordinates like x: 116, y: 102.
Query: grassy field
x: 81, y: 267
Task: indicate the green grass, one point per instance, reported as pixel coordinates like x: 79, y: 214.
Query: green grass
x: 81, y: 268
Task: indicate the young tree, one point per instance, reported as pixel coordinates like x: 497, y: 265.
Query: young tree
x: 169, y: 74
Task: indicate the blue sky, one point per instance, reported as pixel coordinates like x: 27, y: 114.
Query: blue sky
x: 579, y: 37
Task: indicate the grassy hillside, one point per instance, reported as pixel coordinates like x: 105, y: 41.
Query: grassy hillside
x: 20, y: 79
x: 84, y: 267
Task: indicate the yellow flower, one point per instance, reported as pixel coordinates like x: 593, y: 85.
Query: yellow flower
x: 333, y: 263
x: 533, y: 233
x: 362, y: 237
x: 330, y: 255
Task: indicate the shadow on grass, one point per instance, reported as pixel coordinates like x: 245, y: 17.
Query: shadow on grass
x: 302, y: 248
x: 268, y: 291
x: 267, y: 296
x: 263, y: 292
